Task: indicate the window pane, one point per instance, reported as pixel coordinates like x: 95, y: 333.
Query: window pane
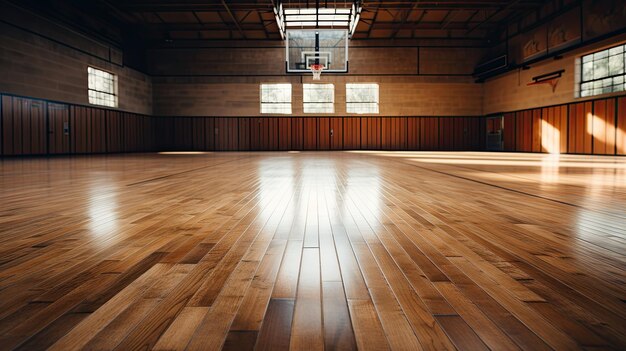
x: 102, y: 87
x: 362, y: 98
x: 588, y: 71
x: 318, y: 93
x: 318, y: 98
x: 603, y: 72
x: 276, y: 108
x: 616, y: 64
x: 319, y: 107
x: 362, y: 108
x: 276, y: 98
x: 600, y: 54
x: 616, y: 50
x: 600, y: 68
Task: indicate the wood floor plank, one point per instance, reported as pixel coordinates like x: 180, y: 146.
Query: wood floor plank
x: 307, y: 330
x: 368, y: 330
x: 367, y: 250
x: 338, y: 333
x: 275, y: 332
x: 182, y: 329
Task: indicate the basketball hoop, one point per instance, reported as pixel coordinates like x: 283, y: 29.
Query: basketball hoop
x: 552, y: 82
x: 317, y: 71
x: 548, y: 78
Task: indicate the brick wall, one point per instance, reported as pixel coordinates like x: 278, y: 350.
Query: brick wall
x: 42, y: 60
x: 510, y: 92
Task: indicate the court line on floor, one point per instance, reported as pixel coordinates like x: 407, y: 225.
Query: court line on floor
x: 184, y: 172
x: 510, y: 189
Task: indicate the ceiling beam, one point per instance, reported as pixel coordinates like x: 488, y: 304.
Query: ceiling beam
x: 232, y: 16
x: 449, y: 18
x: 406, y: 17
x: 495, y: 13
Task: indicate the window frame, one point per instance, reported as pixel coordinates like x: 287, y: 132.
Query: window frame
x: 310, y: 103
x: 270, y: 103
x: 114, y: 82
x: 376, y: 102
x: 590, y: 91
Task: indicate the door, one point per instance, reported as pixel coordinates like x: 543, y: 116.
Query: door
x: 494, y: 133
x: 58, y: 129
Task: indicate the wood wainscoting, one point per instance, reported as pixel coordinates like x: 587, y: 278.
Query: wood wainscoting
x: 38, y: 127
x: 596, y: 127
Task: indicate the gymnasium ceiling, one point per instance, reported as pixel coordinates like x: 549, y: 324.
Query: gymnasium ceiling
x: 167, y: 21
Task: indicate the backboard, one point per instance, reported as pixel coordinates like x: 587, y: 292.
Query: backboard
x: 328, y: 47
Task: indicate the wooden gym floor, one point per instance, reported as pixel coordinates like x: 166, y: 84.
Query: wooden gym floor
x: 375, y: 250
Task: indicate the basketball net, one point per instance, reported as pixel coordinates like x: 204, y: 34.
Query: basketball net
x: 317, y: 71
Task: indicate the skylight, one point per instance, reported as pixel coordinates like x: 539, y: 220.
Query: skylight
x: 320, y: 17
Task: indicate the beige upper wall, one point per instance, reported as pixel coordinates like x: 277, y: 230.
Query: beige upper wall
x: 510, y: 92
x: 399, y: 96
x: 42, y: 60
x: 425, y: 81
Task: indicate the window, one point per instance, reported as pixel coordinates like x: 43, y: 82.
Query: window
x: 102, y: 87
x: 362, y: 98
x: 276, y: 98
x: 318, y: 98
x: 603, y: 72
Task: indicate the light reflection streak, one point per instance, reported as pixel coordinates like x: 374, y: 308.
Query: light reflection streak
x: 102, y: 209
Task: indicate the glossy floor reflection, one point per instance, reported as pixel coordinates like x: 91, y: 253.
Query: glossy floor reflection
x: 341, y: 250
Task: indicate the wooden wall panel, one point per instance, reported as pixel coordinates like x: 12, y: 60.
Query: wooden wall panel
x: 273, y: 133
x: 1, y: 129
x: 31, y: 126
x: 264, y: 133
x: 226, y: 134
x: 429, y: 133
x: 446, y: 134
x: 547, y: 130
x: 604, y: 127
x: 459, y: 138
x: 284, y: 136
x: 5, y: 110
x: 114, y: 132
x: 163, y: 127
x: 536, y: 113
x: 244, y: 133
x: 184, y: 133
x: 352, y: 133
x: 524, y: 131
x: 562, y: 125
x: 58, y: 128
x: 198, y: 129
x: 336, y: 133
x: 323, y: 133
x: 297, y: 133
x: 12, y: 126
x: 508, y: 133
x: 8, y: 136
x: 88, y: 130
x: 413, y: 133
x: 96, y: 135
x: 472, y: 134
x: 36, y: 133
x: 23, y: 126
x: 310, y: 133
x: 370, y: 133
x: 255, y: 134
x: 620, y: 141
x: 393, y: 133
x: 129, y: 132
x: 578, y: 138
